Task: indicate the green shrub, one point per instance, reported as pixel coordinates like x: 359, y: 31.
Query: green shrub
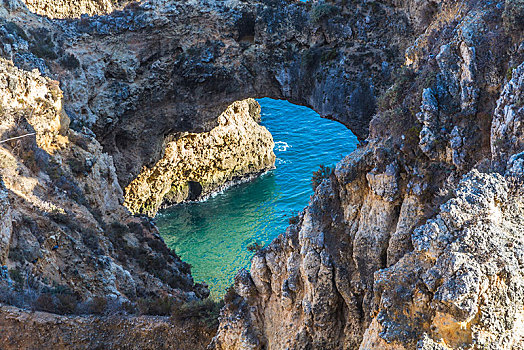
x: 98, y: 306
x: 44, y: 302
x: 129, y: 308
x: 14, y: 28
x: 29, y: 160
x: 320, y: 12
x: 310, y: 58
x: 394, y: 96
x: 90, y: 239
x: 18, y: 277
x: 54, y: 170
x: 204, y: 311
x: 322, y: 173
x: 294, y: 220
x: 328, y: 55
x: 70, y: 62
x: 162, y: 306
x: 44, y: 49
x: 231, y: 295
x: 57, y: 300
x: 413, y: 133
x: 66, y: 304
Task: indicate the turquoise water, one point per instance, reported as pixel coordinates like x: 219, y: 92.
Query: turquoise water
x: 213, y: 235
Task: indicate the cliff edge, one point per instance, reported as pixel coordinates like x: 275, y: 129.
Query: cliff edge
x: 414, y: 242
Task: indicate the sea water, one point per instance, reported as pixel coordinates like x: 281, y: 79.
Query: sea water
x: 213, y: 236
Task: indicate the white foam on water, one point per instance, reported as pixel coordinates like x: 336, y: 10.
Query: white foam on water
x: 282, y: 161
x: 281, y: 146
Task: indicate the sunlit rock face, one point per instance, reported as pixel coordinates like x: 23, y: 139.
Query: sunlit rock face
x: 415, y: 240
x: 195, y: 165
x: 62, y: 214
x: 72, y: 8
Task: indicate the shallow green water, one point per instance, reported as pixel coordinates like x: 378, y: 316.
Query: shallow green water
x: 213, y: 235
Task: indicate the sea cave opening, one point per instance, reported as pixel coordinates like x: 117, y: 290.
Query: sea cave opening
x: 214, y: 235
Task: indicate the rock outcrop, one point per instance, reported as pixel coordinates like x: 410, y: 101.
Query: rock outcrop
x: 92, y: 332
x: 415, y: 240
x: 195, y: 165
x: 73, y: 8
x: 69, y: 227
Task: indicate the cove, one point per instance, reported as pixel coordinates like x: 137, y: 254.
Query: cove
x: 213, y: 235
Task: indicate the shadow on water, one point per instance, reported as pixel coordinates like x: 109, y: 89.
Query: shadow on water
x: 213, y: 235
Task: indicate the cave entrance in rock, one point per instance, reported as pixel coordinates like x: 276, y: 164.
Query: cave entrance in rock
x: 214, y: 235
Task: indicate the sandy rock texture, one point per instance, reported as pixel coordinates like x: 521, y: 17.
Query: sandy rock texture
x: 414, y: 242
x: 195, y: 165
x: 62, y: 332
x: 63, y: 222
x: 73, y: 8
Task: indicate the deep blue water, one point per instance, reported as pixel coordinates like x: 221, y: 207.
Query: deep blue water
x: 213, y: 235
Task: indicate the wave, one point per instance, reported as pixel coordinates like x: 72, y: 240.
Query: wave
x: 282, y: 161
x: 282, y: 146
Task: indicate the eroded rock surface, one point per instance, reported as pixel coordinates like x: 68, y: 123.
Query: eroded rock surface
x: 72, y: 8
x: 63, y: 222
x: 414, y: 242
x: 195, y: 165
x: 142, y: 75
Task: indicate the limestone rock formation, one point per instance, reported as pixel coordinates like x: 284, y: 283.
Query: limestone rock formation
x: 69, y: 227
x: 395, y: 251
x: 415, y: 241
x: 72, y: 8
x: 140, y: 76
x: 463, y: 284
x: 195, y: 165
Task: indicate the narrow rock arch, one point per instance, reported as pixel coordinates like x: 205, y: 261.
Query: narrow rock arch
x: 180, y: 70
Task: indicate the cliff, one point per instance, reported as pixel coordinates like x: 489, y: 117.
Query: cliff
x: 414, y: 242
x: 95, y: 332
x: 195, y: 165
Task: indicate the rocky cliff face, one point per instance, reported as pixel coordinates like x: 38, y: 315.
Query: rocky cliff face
x: 91, y: 332
x: 73, y: 8
x: 6, y: 227
x: 195, y: 165
x: 406, y: 247
x: 182, y: 64
x: 415, y: 241
x: 69, y: 227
